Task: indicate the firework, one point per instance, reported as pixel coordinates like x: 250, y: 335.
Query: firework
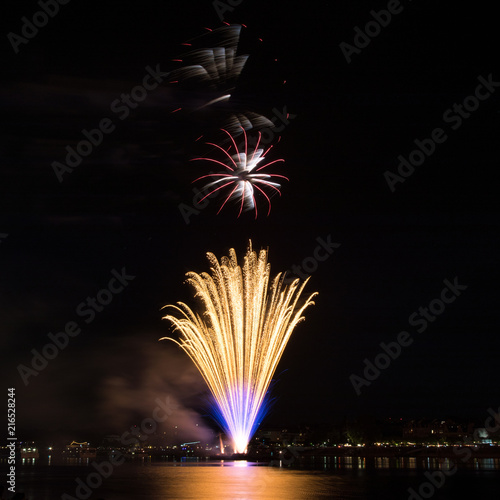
x: 211, y: 61
x: 238, y: 338
x: 243, y: 177
x: 209, y: 69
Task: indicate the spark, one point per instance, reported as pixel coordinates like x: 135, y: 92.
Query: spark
x: 211, y: 65
x: 245, y: 176
x: 238, y: 338
x: 215, y: 64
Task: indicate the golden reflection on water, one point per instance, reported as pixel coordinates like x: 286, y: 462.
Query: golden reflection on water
x: 381, y: 462
x: 332, y: 478
x: 242, y: 481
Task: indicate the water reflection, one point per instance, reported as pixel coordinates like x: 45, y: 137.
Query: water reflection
x: 487, y: 463
x: 297, y: 462
x: 331, y: 477
x: 381, y: 462
x: 240, y: 463
x: 242, y: 480
x: 401, y: 463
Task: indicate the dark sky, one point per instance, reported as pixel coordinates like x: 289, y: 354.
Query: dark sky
x: 348, y: 124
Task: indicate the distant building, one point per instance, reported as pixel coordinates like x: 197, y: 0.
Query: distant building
x: 29, y: 450
x: 283, y: 436
x: 79, y: 450
x: 482, y: 436
x: 436, y: 430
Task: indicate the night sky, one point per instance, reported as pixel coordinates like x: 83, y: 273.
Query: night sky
x: 348, y: 123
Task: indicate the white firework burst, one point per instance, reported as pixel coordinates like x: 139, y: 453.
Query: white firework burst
x: 244, y: 176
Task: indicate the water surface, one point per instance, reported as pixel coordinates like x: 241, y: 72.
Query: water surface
x: 239, y: 480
